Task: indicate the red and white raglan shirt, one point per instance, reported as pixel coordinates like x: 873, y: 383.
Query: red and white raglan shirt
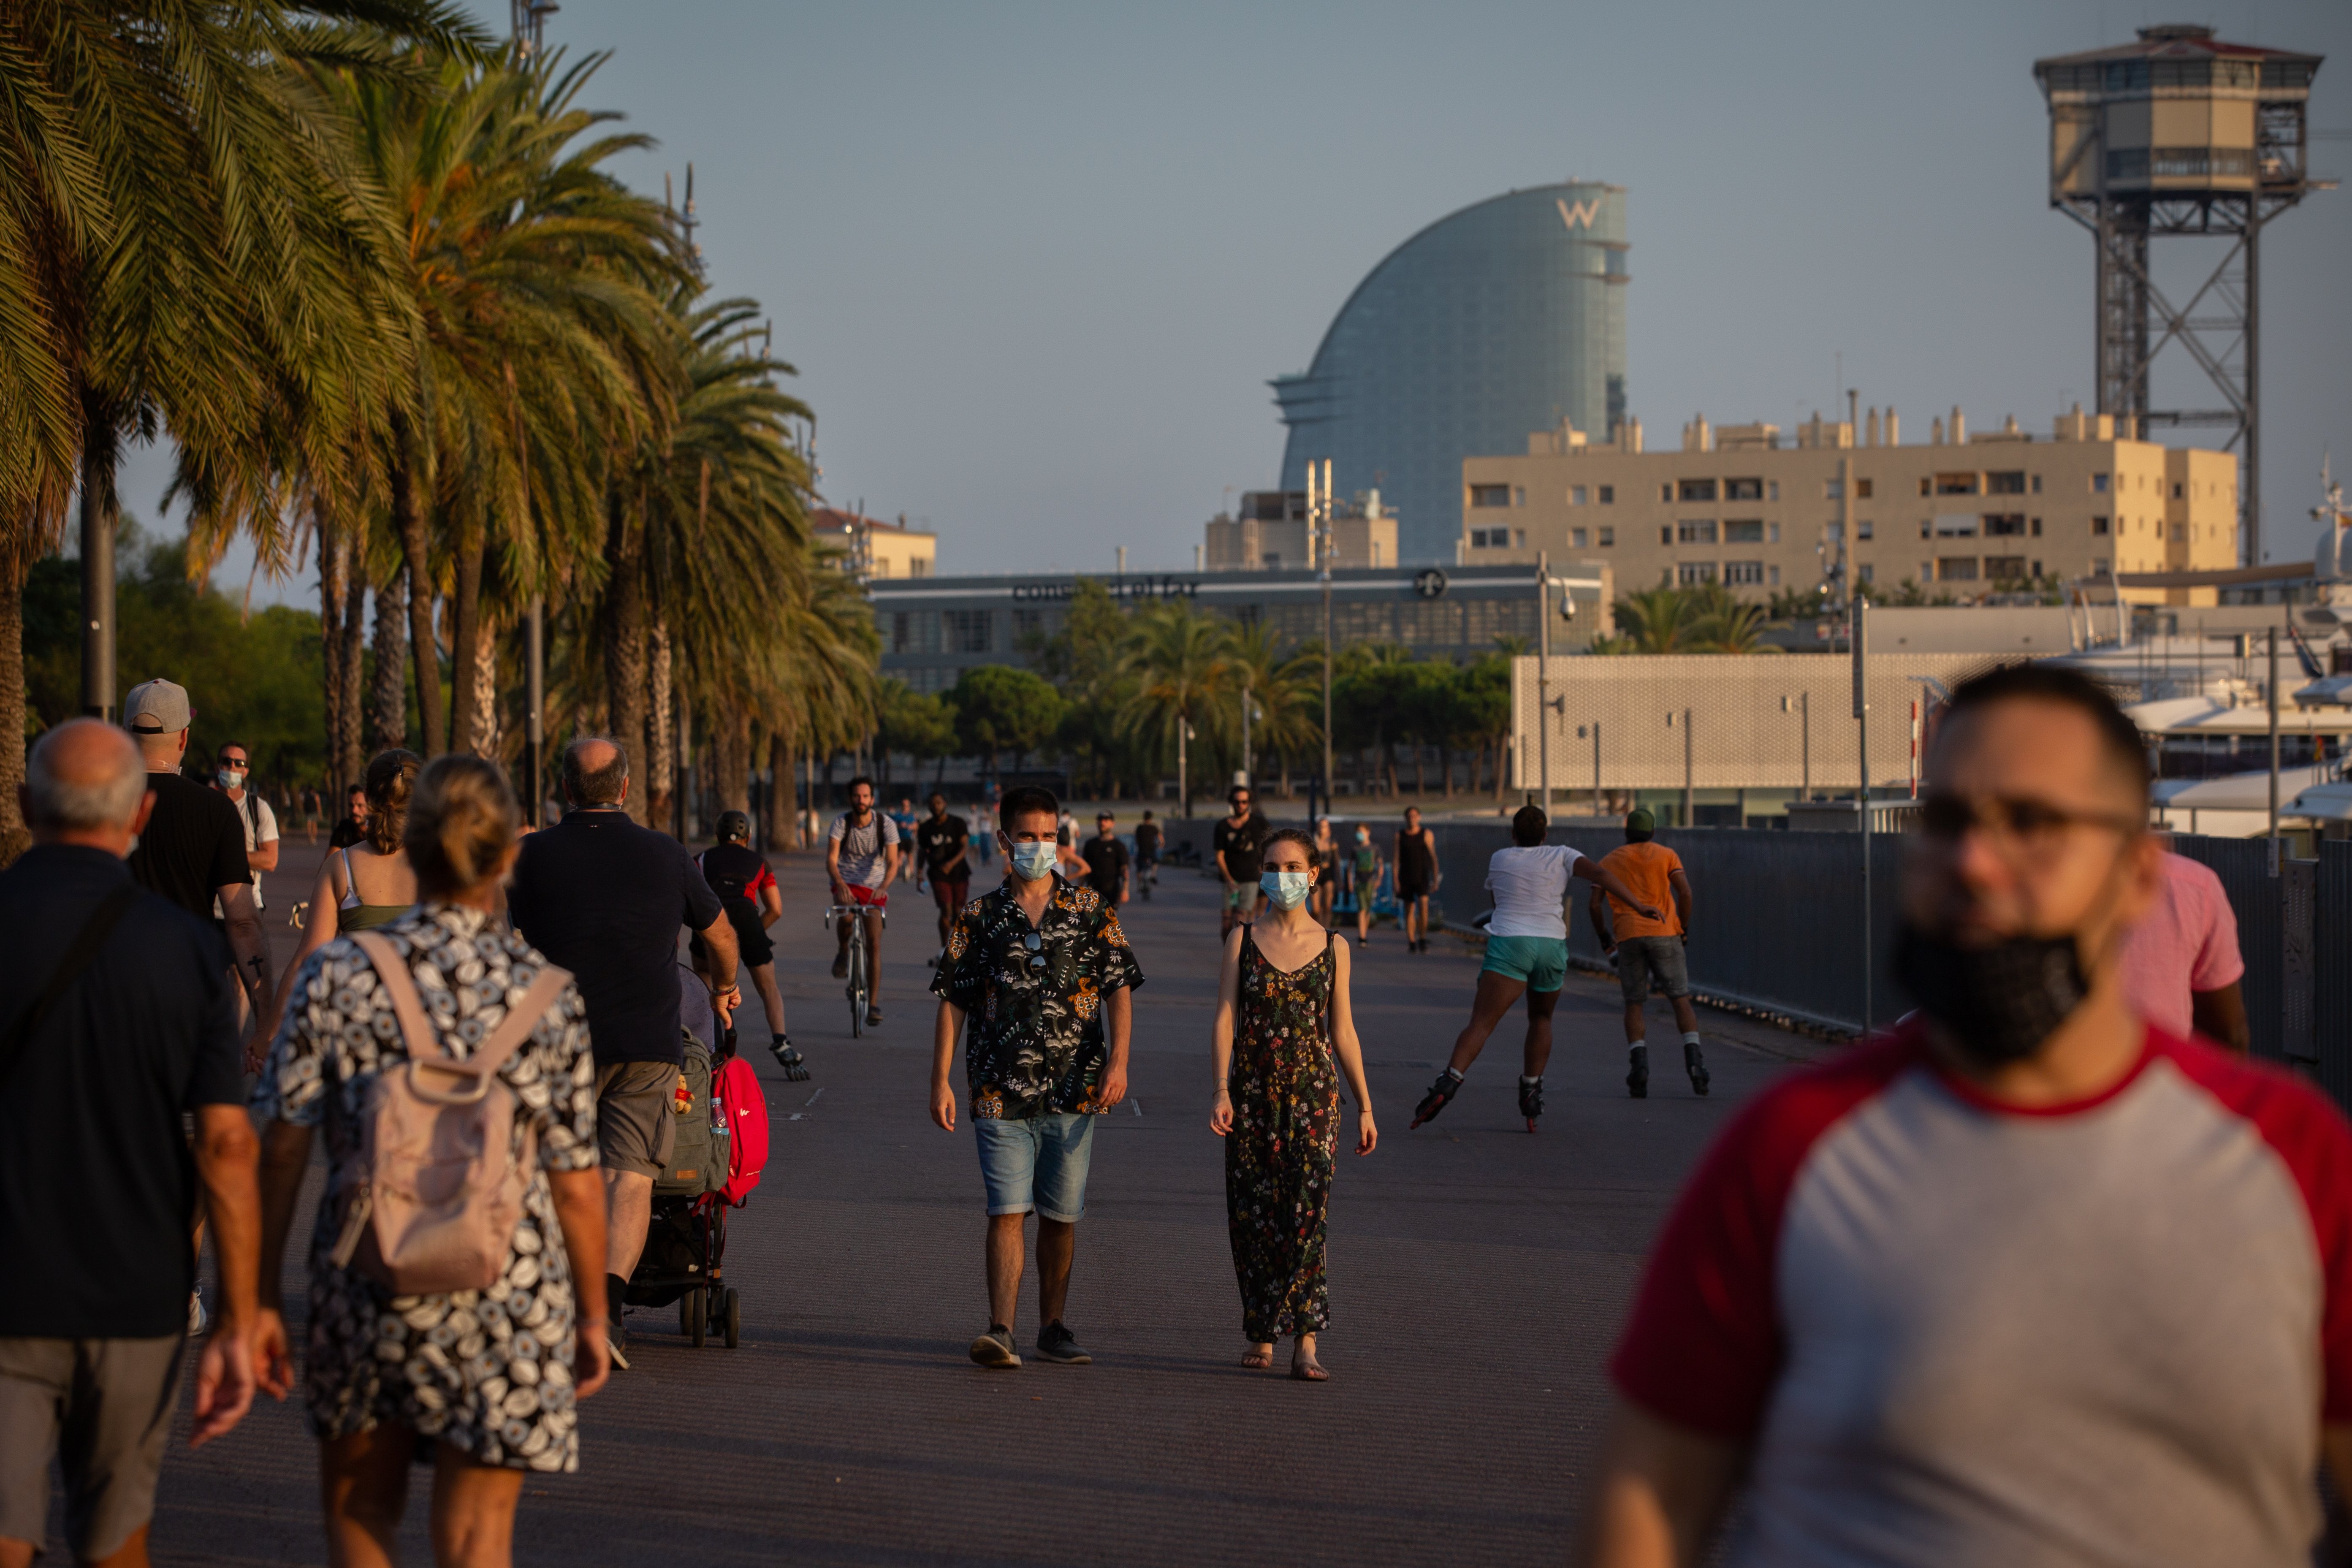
x: 1955, y: 1333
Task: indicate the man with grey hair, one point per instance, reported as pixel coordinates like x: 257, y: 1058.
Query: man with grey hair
x: 192, y: 850
x: 119, y: 1021
x: 605, y: 898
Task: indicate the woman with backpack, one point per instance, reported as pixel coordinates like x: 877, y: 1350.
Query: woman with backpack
x: 1282, y: 1017
x: 446, y: 1327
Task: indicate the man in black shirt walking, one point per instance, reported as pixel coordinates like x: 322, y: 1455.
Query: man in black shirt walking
x: 605, y: 898
x: 353, y: 828
x: 944, y: 841
x: 1240, y: 842
x: 1106, y: 862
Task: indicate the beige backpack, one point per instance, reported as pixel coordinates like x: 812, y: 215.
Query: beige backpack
x: 433, y: 1196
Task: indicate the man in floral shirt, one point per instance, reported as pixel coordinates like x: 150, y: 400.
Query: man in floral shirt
x: 1042, y: 969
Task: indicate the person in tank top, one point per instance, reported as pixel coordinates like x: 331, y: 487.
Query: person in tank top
x: 361, y: 886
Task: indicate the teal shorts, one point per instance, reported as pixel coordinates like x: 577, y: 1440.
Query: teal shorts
x: 1540, y: 960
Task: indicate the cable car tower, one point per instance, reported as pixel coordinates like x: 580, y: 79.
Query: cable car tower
x: 2180, y: 134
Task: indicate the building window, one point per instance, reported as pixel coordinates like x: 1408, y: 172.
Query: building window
x: 1955, y: 526
x: 920, y: 566
x: 1666, y: 492
x: 900, y: 640
x: 1608, y: 495
x: 1026, y: 623
x: 1608, y: 538
x: 1743, y: 573
x: 2010, y: 526
x: 2037, y: 491
x: 1743, y: 534
x: 2034, y: 528
x: 1862, y: 490
x: 2098, y: 525
x: 1519, y: 537
x: 1927, y: 485
x: 1666, y: 535
x: 1956, y: 569
x: 1576, y: 495
x: 1271, y: 561
x: 1774, y: 530
x: 1860, y: 530
x: 1772, y: 490
x: 2098, y: 565
x: 1698, y: 490
x: 2099, y: 483
x: 2180, y: 533
x: 1701, y: 531
x: 2005, y: 568
x: 1771, y: 576
x: 968, y: 630
x: 1955, y: 484
x: 1743, y: 490
x: 1865, y: 572
x: 1576, y: 538
x: 1835, y: 533
x: 1834, y: 489
x: 2175, y: 493
x: 1693, y: 573
x: 1927, y: 529
x: 1490, y: 495
x: 2005, y: 484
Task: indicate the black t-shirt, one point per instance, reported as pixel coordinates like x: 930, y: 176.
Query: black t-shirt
x: 96, y: 1183
x: 347, y: 833
x: 1106, y: 862
x: 738, y: 874
x: 939, y: 839
x: 1242, y: 845
x: 192, y: 844
x: 1147, y: 839
x: 603, y: 897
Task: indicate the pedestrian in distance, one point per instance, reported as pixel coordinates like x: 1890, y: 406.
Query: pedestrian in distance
x: 861, y: 855
x: 1416, y: 878
x: 352, y: 827
x: 232, y: 767
x: 2181, y: 967
x: 192, y: 849
x: 1283, y: 1036
x: 1364, y: 881
x: 943, y: 844
x: 2029, y: 1279
x: 1527, y: 955
x: 487, y: 1380
x: 1109, y: 870
x: 747, y: 889
x: 1146, y: 855
x: 366, y: 884
x: 1646, y: 935
x: 903, y: 819
x: 1039, y: 979
x: 1237, y: 842
x: 311, y: 813
x: 605, y: 898
x: 122, y: 1021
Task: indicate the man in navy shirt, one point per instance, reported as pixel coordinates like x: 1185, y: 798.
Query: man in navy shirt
x: 118, y: 1017
x: 605, y: 898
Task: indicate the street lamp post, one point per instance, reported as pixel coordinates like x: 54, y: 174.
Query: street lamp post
x: 1543, y: 675
x: 1318, y: 527
x: 534, y: 721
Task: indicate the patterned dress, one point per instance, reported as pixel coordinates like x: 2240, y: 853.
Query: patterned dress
x: 1280, y: 1152
x: 487, y: 1372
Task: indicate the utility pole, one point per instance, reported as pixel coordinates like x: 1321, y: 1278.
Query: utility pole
x: 1319, y: 531
x: 534, y: 719
x: 2270, y: 700
x: 1596, y: 768
x: 1183, y: 760
x: 1543, y: 675
x: 1690, y: 795
x: 1860, y: 640
x: 1247, y: 772
x: 96, y: 590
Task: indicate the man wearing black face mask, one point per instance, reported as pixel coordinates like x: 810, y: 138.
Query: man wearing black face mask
x: 2027, y: 1281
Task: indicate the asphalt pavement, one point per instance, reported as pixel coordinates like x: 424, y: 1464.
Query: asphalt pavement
x: 1478, y: 1278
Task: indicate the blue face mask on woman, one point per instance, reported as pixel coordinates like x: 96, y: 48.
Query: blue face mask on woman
x: 1031, y: 862
x: 1286, y: 888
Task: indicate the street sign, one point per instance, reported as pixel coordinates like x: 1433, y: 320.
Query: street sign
x: 1430, y: 584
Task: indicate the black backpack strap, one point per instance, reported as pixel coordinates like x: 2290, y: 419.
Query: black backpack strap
x: 86, y: 946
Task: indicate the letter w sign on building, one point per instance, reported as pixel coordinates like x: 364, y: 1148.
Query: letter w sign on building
x: 1581, y: 215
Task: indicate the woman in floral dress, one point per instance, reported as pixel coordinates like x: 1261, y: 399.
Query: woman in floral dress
x: 483, y: 1383
x: 1281, y: 1018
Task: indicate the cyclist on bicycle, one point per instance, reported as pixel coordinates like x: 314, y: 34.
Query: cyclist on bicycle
x: 861, y: 855
x: 747, y: 888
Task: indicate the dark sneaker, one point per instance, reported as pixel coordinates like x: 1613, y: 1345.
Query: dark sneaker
x: 1056, y: 1342
x: 1531, y: 1101
x: 841, y: 966
x: 995, y: 1348
x: 1637, y: 1076
x: 795, y: 1066
x: 874, y: 1017
x: 1695, y: 1064
x: 615, y: 1343
x: 1441, y: 1094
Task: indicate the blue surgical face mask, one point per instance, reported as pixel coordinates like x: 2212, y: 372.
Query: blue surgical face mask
x: 231, y: 778
x: 1031, y: 861
x: 1286, y: 888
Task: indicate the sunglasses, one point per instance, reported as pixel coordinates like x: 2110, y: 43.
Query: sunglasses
x: 1035, y: 945
x: 2023, y: 823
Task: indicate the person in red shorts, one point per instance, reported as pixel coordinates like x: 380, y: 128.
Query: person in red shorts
x: 861, y: 855
x: 2029, y: 1279
x: 943, y: 849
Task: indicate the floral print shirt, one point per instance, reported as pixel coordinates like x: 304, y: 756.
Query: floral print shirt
x: 1034, y: 1036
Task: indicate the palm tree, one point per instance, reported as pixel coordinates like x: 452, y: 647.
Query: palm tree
x: 1177, y: 655
x: 1286, y: 689
x: 1722, y: 622
x: 1657, y: 620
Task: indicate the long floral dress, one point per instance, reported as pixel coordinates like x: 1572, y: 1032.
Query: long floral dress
x: 1280, y: 1152
x: 486, y: 1371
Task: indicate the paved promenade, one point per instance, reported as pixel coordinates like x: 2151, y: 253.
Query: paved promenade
x: 1478, y: 1278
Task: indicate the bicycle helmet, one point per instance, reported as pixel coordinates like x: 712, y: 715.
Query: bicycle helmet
x: 733, y: 827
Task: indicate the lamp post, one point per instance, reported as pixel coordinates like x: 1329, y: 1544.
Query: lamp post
x: 1543, y: 675
x: 1318, y: 527
x: 534, y: 719
x: 1861, y: 741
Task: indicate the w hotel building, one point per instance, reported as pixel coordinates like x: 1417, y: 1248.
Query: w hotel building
x: 1961, y: 515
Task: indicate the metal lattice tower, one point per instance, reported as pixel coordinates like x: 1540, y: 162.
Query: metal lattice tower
x: 2180, y: 134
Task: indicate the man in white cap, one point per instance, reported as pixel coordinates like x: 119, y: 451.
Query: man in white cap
x: 192, y: 849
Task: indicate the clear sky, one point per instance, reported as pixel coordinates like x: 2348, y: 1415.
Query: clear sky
x: 1036, y: 261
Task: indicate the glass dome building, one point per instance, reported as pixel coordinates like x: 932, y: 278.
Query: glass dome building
x: 1501, y: 320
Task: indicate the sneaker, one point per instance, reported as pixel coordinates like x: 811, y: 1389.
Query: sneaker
x: 1637, y: 1076
x: 1056, y: 1342
x: 197, y: 1316
x: 841, y: 966
x: 995, y: 1348
x: 795, y: 1066
x: 874, y: 1017
x: 1531, y: 1101
x: 615, y: 1340
x: 1695, y: 1064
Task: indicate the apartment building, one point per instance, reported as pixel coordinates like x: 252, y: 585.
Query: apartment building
x: 1963, y: 514
x: 1269, y: 532
x: 873, y: 547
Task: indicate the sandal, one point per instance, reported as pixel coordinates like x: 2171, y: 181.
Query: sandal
x: 1441, y: 1094
x: 1307, y: 1369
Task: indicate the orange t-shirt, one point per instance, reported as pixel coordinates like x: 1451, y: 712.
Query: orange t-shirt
x: 1644, y: 868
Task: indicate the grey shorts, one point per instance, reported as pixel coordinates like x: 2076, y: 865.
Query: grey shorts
x: 103, y: 1407
x: 1640, y: 959
x: 635, y: 1128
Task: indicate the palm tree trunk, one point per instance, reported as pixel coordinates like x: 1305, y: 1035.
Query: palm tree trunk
x: 625, y: 636
x: 15, y: 565
x: 392, y: 662
x: 351, y: 751
x: 731, y: 758
x: 661, y: 742
x: 467, y: 734
x: 423, y: 645
x: 775, y: 831
x: 482, y: 695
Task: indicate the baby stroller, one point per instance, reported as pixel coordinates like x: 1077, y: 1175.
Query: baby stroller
x: 721, y: 1144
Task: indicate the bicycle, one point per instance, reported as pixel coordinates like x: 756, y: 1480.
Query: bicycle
x: 861, y: 987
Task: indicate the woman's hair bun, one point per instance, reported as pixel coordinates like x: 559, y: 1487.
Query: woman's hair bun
x: 462, y: 819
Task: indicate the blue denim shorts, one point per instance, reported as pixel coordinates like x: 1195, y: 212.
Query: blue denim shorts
x: 1036, y: 1162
